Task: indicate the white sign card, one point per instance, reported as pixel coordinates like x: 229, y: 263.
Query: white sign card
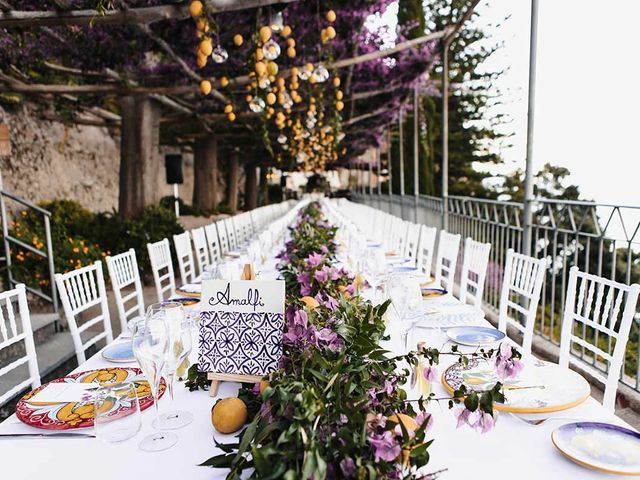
x: 241, y: 326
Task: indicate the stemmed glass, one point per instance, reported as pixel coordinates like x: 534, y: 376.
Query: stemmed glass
x: 179, y: 332
x: 374, y: 269
x: 150, y: 342
x: 406, y: 299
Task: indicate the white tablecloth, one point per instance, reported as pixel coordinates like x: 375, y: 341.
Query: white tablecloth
x: 513, y: 450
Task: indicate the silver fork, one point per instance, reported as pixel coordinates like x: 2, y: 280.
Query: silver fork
x: 536, y: 422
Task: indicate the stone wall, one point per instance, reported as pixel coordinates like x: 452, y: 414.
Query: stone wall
x: 51, y: 160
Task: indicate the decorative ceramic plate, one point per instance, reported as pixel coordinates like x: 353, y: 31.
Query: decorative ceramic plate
x: 120, y: 352
x: 190, y: 290
x: 433, y: 292
x: 406, y: 269
x: 542, y: 387
x: 475, y: 336
x: 187, y: 301
x: 68, y: 415
x: 600, y: 446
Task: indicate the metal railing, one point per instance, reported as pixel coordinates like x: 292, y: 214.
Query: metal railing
x: 11, y: 241
x: 602, y: 239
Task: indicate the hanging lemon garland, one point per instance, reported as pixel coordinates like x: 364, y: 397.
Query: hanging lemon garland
x: 294, y: 104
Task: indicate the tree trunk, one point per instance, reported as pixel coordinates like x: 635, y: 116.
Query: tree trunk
x: 205, y: 173
x: 250, y: 186
x: 234, y: 175
x: 139, y: 155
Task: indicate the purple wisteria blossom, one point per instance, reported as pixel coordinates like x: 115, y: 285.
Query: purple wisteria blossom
x: 385, y: 446
x: 479, y: 420
x: 314, y: 260
x: 430, y: 373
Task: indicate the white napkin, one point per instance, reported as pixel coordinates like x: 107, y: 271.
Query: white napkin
x: 65, y: 392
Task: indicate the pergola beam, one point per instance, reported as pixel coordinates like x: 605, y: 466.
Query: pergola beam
x: 143, y: 15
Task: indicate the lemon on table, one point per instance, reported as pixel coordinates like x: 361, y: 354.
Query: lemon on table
x: 229, y: 415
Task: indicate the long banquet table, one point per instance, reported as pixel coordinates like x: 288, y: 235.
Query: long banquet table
x: 512, y: 450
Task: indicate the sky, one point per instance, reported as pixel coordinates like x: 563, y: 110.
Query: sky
x: 586, y: 109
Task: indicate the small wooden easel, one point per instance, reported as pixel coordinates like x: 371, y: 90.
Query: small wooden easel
x: 248, y: 273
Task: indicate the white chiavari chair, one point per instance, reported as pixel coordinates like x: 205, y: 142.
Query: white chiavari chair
x: 222, y: 236
x: 231, y: 233
x: 184, y: 254
x: 162, y: 268
x: 213, y: 243
x: 82, y: 291
x: 126, y: 284
x: 411, y: 244
x: 447, y: 259
x: 597, y: 319
x: 200, y: 246
x: 474, y: 271
x: 13, y: 332
x: 520, y: 295
x: 426, y: 246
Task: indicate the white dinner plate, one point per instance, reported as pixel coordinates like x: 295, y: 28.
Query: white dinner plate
x: 475, y: 336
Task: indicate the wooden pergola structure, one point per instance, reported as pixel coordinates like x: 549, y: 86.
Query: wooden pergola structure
x: 146, y: 110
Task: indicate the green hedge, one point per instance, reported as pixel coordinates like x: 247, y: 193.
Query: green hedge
x: 80, y: 237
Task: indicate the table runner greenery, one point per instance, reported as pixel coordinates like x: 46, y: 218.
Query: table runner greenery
x: 335, y: 409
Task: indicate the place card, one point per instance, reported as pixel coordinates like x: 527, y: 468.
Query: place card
x: 64, y: 392
x: 241, y: 326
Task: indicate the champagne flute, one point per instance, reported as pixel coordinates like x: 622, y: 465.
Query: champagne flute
x: 374, y: 270
x: 150, y: 342
x: 406, y: 299
x: 179, y: 333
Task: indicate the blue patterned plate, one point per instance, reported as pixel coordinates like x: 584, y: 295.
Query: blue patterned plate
x: 120, y: 352
x: 429, y: 292
x: 404, y: 269
x: 600, y: 446
x: 475, y: 336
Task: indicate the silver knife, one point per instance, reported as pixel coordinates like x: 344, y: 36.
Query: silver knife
x: 49, y: 435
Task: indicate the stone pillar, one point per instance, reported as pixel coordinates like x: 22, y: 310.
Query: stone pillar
x: 140, y: 171
x: 250, y: 186
x: 263, y: 194
x: 234, y: 175
x: 205, y: 173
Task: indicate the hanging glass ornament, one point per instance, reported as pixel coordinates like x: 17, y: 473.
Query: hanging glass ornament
x: 277, y: 22
x: 288, y: 101
x: 256, y: 105
x: 321, y: 74
x: 282, y: 139
x: 271, y: 50
x: 304, y: 74
x: 219, y: 54
x: 264, y: 82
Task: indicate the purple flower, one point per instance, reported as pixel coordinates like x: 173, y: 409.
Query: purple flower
x: 507, y: 366
x: 324, y: 249
x: 423, y: 417
x: 485, y: 422
x: 348, y: 467
x: 256, y: 389
x: 481, y: 421
x: 385, y: 447
x: 297, y: 327
x: 430, y: 373
x: 331, y: 303
x: 305, y: 283
x: 314, y: 260
x: 321, y: 275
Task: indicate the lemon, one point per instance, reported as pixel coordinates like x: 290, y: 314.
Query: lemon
x: 272, y: 68
x: 195, y: 8
x: 265, y: 34
x: 331, y: 33
x: 238, y: 40
x: 205, y: 87
x: 291, y: 52
x: 261, y: 68
x: 231, y: 116
x: 271, y: 98
x: 339, y: 106
x: 408, y: 422
x: 206, y: 47
x: 331, y: 16
x: 336, y: 82
x: 286, y: 31
x: 310, y: 302
x: 229, y: 415
x: 224, y: 81
x: 263, y: 385
x: 291, y: 42
x: 228, y: 108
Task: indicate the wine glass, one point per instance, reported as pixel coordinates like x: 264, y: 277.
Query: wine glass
x: 179, y: 333
x: 150, y: 342
x: 118, y: 427
x: 406, y: 299
x: 374, y: 269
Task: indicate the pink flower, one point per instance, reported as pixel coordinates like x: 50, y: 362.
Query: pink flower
x: 348, y: 467
x: 481, y: 421
x: 485, y: 423
x: 507, y: 366
x: 430, y: 373
x: 423, y: 417
x: 385, y: 447
x: 314, y: 260
x: 321, y: 275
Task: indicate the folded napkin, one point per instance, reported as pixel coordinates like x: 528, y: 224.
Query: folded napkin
x: 64, y: 392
